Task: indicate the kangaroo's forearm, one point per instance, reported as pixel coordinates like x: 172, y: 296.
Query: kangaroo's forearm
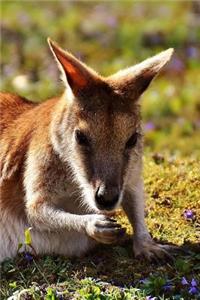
x: 44, y: 216
x: 143, y: 244
x: 133, y: 205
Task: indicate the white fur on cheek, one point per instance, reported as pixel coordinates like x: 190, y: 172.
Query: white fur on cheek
x: 87, y: 190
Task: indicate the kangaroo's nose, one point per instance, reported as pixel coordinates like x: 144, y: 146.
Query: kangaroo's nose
x: 106, y: 198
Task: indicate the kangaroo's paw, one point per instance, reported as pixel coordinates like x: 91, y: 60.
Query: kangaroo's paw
x: 150, y: 250
x: 103, y: 229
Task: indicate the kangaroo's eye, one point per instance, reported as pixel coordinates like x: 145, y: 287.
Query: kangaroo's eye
x: 132, y: 141
x: 81, y: 138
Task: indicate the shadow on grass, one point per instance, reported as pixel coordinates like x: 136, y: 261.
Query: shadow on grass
x: 118, y: 266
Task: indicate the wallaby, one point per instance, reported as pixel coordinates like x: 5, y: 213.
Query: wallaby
x: 68, y: 162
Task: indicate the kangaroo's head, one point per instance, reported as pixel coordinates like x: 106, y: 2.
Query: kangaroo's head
x: 99, y: 129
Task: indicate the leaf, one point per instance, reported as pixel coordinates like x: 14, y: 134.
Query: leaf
x: 182, y: 265
x: 50, y: 294
x: 13, y: 284
x: 27, y: 235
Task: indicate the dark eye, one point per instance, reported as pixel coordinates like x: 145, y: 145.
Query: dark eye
x: 132, y: 141
x: 81, y: 138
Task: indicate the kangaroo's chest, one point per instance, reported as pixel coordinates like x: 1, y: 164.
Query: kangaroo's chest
x: 61, y: 189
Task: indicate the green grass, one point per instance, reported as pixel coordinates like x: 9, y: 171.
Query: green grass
x: 109, y: 36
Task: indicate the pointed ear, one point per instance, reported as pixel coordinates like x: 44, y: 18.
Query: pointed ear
x: 132, y: 82
x: 74, y: 73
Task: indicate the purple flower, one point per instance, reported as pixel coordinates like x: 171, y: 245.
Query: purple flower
x: 177, y: 64
x: 184, y: 281
x: 143, y: 281
x: 28, y: 256
x: 193, y: 283
x: 111, y: 21
x: 149, y: 126
x: 192, y: 52
x: 193, y: 290
x: 167, y: 287
x: 188, y: 214
x: 150, y: 298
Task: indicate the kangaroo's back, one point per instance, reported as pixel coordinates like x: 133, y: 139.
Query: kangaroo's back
x: 11, y: 107
x: 19, y: 121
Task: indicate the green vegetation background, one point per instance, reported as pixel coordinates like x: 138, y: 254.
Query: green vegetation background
x: 111, y: 35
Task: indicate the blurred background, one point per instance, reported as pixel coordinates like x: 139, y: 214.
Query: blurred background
x: 110, y: 35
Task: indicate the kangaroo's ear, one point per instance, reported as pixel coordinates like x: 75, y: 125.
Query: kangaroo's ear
x: 74, y: 73
x: 133, y: 81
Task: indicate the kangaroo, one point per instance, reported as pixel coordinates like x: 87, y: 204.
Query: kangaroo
x: 68, y: 162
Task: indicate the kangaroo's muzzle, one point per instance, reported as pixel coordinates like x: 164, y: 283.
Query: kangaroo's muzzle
x: 106, y: 198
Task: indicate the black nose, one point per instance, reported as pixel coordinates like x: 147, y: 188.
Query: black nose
x: 106, y: 199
